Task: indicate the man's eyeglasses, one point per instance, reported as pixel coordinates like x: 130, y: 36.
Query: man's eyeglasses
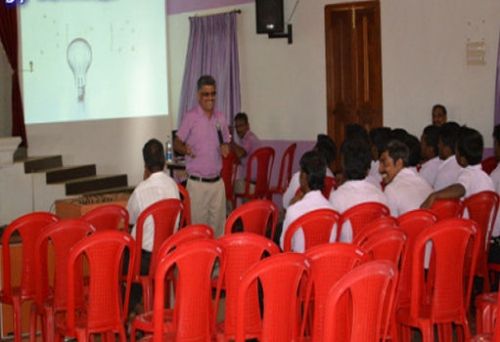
x: 207, y: 94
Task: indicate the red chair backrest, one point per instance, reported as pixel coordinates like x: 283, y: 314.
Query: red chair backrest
x: 329, y: 263
x: 281, y: 277
x: 361, y: 296
x: 28, y: 227
x: 186, y: 206
x: 194, y: 312
x: 241, y: 252
x: 108, y: 216
x: 257, y: 216
x: 447, y: 208
x: 489, y: 164
x: 382, y: 223
x: 387, y: 244
x: 285, y: 172
x: 104, y: 308
x: 264, y: 157
x: 482, y: 208
x: 316, y: 225
x: 228, y: 174
x: 360, y: 215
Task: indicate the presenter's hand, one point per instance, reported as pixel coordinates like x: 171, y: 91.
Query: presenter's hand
x: 224, y: 150
x: 189, y: 152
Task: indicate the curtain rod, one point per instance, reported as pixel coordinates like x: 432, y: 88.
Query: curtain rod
x: 238, y: 11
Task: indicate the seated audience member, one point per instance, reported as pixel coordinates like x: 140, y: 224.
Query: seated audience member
x: 439, y: 115
x: 379, y: 137
x: 399, y: 134
x: 356, y: 131
x: 405, y: 189
x: 355, y: 159
x: 249, y: 142
x: 472, y: 178
x: 430, y: 153
x: 415, y: 154
x: 449, y: 169
x: 157, y: 185
x: 312, y: 177
x: 328, y: 150
x: 495, y: 175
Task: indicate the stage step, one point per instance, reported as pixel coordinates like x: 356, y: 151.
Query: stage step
x: 37, y: 164
x: 95, y: 183
x: 67, y: 173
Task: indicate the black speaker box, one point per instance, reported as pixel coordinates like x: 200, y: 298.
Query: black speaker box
x: 269, y: 14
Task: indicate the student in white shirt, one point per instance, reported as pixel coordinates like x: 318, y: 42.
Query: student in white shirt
x: 405, y: 189
x: 430, y: 153
x: 355, y: 158
x: 379, y: 137
x: 312, y: 176
x: 414, y: 157
x: 449, y: 169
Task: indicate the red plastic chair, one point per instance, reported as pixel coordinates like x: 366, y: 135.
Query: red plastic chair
x: 108, y: 217
x: 329, y: 184
x: 447, y: 208
x: 241, y: 252
x: 494, y: 335
x: 281, y: 277
x: 50, y: 301
x: 482, y: 208
x: 194, y: 311
x: 455, y: 243
x: 317, y: 227
x: 489, y: 164
x: 361, y: 296
x: 486, y: 312
x: 382, y: 223
x: 257, y: 216
x: 228, y: 175
x: 329, y: 263
x: 14, y: 292
x: 186, y: 205
x: 103, y: 311
x: 285, y: 172
x: 360, y: 215
x: 263, y: 157
x: 387, y: 244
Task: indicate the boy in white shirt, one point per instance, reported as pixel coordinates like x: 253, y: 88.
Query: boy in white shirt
x: 430, y: 153
x: 449, y: 169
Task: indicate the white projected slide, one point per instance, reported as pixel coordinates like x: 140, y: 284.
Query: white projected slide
x: 93, y: 59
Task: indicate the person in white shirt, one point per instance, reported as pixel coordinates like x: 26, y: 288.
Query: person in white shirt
x: 379, y: 137
x: 157, y: 185
x: 495, y: 176
x: 472, y: 178
x: 355, y: 159
x: 449, y: 169
x: 404, y: 188
x: 429, y: 151
x: 415, y: 154
x: 312, y: 176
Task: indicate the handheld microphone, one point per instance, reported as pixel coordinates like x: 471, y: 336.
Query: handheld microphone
x: 219, y: 134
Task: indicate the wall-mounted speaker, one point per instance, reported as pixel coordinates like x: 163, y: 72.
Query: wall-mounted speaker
x: 269, y: 14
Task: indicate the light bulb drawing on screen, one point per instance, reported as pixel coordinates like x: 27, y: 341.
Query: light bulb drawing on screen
x: 79, y: 55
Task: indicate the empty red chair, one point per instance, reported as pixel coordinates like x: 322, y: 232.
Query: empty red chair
x: 194, y: 311
x: 359, y: 216
x: 256, y: 216
x: 361, y: 296
x: 382, y: 223
x: 282, y: 278
x: 455, y: 243
x: 316, y: 226
x: 329, y: 263
x: 447, y: 208
x: 285, y: 172
x: 108, y: 217
x: 263, y: 157
x: 486, y: 312
x: 228, y: 175
x: 14, y: 293
x: 494, y: 336
x: 186, y: 206
x: 387, y: 244
x: 489, y: 164
x: 241, y: 252
x: 482, y: 208
x: 62, y: 236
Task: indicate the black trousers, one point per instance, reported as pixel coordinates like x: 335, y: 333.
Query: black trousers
x: 136, y: 290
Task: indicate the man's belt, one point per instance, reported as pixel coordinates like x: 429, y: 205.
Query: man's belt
x: 204, y: 180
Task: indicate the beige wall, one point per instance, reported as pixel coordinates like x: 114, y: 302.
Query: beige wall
x: 5, y: 96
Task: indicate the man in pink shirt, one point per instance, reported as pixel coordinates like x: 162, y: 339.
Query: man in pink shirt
x: 203, y: 137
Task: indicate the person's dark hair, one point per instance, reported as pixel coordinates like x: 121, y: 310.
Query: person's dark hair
x: 398, y: 150
x: 379, y: 137
x: 470, y: 145
x: 448, y: 133
x: 326, y: 147
x: 314, y: 166
x: 241, y: 117
x: 356, y: 159
x: 154, y: 156
x: 431, y: 137
x: 204, y: 81
x: 496, y: 133
x: 442, y: 107
x: 399, y: 134
x: 355, y: 131
x: 414, y: 146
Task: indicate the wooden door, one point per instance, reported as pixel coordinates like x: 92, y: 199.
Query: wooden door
x: 353, y: 66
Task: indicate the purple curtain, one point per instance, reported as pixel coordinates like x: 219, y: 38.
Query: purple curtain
x: 213, y: 50
x: 497, y: 88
